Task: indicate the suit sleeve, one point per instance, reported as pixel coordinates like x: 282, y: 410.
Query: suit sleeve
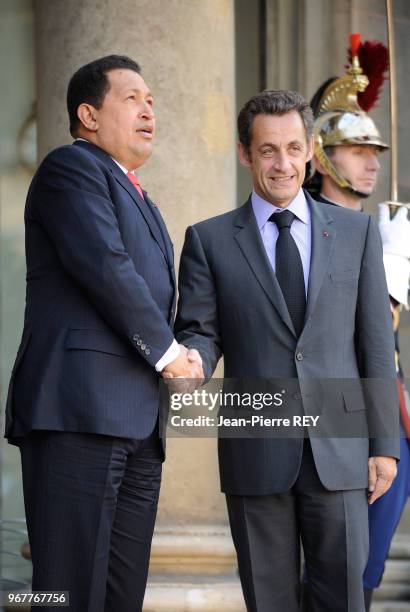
x: 196, y: 322
x: 375, y: 350
x: 74, y: 206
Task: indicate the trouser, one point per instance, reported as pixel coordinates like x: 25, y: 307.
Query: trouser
x: 333, y: 527
x: 91, y: 503
x: 384, y: 516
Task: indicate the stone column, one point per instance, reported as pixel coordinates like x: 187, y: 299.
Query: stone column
x: 186, y: 51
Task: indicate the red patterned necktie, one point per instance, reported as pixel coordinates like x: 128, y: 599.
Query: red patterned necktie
x: 135, y: 182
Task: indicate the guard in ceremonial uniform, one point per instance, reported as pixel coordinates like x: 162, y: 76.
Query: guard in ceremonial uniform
x: 343, y: 172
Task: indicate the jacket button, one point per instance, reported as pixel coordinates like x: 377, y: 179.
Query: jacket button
x: 143, y: 347
x: 148, y: 351
x: 135, y: 337
x: 299, y: 356
x: 139, y: 342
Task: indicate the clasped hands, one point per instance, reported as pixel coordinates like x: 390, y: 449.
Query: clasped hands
x: 185, y: 373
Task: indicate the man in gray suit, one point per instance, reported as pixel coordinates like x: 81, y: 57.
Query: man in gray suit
x: 288, y: 288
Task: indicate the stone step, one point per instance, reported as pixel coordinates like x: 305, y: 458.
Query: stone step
x: 397, y: 570
x: 392, y: 591
x: 390, y: 606
x: 395, y: 587
x: 180, y: 593
x: 400, y: 548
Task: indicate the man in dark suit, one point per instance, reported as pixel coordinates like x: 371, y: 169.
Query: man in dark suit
x: 83, y: 400
x: 288, y: 288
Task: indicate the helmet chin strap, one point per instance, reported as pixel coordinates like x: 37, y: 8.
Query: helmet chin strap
x: 356, y: 192
x: 340, y: 180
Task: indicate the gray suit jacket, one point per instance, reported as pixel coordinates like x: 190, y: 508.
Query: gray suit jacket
x: 231, y: 305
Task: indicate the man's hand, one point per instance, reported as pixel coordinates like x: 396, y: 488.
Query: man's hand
x: 395, y: 232
x: 188, y: 365
x: 382, y: 472
x: 195, y: 357
x: 395, y: 235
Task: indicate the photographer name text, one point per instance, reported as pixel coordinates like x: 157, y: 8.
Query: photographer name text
x: 253, y: 421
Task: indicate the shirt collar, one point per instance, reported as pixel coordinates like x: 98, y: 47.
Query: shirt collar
x: 263, y: 209
x: 329, y: 201
x: 114, y: 160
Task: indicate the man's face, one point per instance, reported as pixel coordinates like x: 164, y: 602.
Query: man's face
x: 359, y: 164
x: 126, y: 122
x: 277, y: 157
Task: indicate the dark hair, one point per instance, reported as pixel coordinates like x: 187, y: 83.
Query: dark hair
x: 90, y: 84
x: 277, y: 102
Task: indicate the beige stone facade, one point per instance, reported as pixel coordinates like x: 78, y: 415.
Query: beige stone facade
x: 202, y: 58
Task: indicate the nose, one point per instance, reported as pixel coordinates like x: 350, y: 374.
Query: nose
x: 373, y: 163
x: 281, y: 162
x: 147, y: 112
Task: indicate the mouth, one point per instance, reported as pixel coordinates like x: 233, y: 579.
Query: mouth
x: 146, y: 132
x: 281, y: 180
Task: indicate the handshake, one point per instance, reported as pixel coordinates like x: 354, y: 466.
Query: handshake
x: 188, y: 367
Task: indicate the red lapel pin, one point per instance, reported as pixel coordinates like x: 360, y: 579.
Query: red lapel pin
x: 325, y: 234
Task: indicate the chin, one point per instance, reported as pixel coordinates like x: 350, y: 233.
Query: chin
x: 367, y: 190
x: 282, y: 199
x: 143, y: 153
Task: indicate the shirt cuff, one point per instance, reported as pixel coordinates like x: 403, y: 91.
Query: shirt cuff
x: 171, y: 354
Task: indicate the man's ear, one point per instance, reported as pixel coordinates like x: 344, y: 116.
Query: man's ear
x: 243, y: 155
x: 87, y: 115
x: 318, y: 167
x: 311, y: 148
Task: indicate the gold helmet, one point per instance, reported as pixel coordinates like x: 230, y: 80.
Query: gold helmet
x: 341, y: 118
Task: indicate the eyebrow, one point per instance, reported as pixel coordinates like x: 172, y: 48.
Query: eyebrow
x: 147, y: 95
x: 275, y: 146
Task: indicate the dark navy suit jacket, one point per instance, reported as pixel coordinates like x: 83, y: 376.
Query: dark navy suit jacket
x: 99, y: 305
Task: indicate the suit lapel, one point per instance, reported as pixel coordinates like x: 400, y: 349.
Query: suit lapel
x: 251, y: 245
x: 166, y: 240
x: 323, y: 237
x: 163, y: 228
x: 146, y: 212
x: 122, y: 179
